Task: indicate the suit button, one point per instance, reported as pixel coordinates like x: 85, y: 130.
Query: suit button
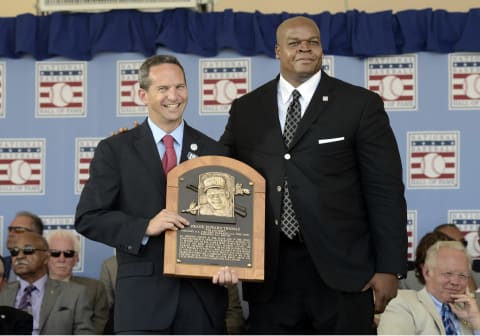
x: 279, y: 188
x: 287, y: 156
x: 129, y: 247
x: 276, y: 221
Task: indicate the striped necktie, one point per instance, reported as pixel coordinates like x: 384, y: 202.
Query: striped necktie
x: 447, y: 319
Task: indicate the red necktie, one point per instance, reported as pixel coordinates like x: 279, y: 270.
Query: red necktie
x: 169, y: 159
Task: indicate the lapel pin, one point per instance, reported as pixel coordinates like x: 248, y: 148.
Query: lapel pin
x: 193, y: 147
x: 325, y: 98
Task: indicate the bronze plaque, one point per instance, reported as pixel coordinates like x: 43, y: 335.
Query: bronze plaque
x: 224, y: 201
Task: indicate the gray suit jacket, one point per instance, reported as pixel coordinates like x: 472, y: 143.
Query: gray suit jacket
x: 108, y: 275
x: 98, y: 300
x: 414, y: 313
x: 65, y: 308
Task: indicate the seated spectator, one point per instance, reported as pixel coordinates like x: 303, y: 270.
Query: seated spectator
x: 414, y: 279
x: 444, y: 306
x: 64, y: 250
x: 441, y: 232
x: 24, y: 221
x: 57, y: 307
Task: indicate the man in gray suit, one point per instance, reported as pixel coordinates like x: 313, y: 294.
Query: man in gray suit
x: 64, y: 250
x: 57, y: 307
x: 445, y: 297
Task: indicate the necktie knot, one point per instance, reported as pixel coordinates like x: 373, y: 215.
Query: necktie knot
x: 169, y: 159
x: 296, y: 95
x: 168, y: 141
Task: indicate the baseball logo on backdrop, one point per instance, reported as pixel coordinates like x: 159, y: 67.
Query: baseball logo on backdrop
x: 129, y: 102
x: 433, y: 160
x: 221, y: 81
x: 22, y: 165
x: 464, y: 81
x: 2, y: 89
x: 61, y: 89
x: 411, y: 234
x: 327, y: 65
x: 468, y: 221
x: 65, y: 223
x: 84, y: 150
x: 394, y: 78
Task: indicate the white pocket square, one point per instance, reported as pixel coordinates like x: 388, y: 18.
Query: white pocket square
x: 324, y: 141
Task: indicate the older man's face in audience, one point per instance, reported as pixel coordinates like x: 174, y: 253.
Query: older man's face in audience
x: 63, y: 258
x: 449, y: 276
x: 18, y: 226
x: 29, y: 256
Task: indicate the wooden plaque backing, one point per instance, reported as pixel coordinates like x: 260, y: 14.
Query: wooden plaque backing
x: 172, y: 264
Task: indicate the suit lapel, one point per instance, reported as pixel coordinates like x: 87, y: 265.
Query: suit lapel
x: 191, y: 146
x: 11, y: 293
x: 320, y: 99
x: 425, y: 298
x: 148, y: 152
x: 52, y: 292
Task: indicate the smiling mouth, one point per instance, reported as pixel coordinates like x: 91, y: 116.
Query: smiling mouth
x: 172, y: 106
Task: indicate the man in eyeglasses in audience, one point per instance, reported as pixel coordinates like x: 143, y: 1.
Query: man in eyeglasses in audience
x: 445, y: 306
x: 24, y: 221
x: 57, y: 307
x: 64, y: 250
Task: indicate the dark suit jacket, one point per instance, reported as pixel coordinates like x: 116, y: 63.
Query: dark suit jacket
x: 15, y: 321
x: 127, y: 188
x: 65, y: 308
x: 345, y: 180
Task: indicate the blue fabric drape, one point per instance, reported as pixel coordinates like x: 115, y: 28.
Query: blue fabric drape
x: 80, y: 36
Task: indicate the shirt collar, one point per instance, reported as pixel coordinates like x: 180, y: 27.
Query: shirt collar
x: 306, y: 89
x: 158, y: 133
x: 39, y: 284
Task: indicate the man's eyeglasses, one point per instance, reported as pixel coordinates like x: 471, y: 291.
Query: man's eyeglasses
x: 66, y: 253
x: 27, y: 250
x: 18, y: 229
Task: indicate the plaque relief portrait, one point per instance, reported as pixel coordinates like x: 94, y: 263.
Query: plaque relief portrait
x: 216, y: 194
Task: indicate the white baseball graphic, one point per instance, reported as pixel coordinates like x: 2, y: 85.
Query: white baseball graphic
x: 136, y: 97
x: 472, y: 86
x: 61, y: 94
x: 473, y: 247
x: 391, y: 87
x: 19, y: 172
x: 433, y: 165
x: 225, y: 91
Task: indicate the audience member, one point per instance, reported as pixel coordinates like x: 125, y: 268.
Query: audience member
x: 123, y: 205
x: 57, y: 307
x: 445, y: 306
x: 234, y: 317
x: 64, y: 255
x: 24, y: 221
x: 335, y: 234
x: 414, y: 279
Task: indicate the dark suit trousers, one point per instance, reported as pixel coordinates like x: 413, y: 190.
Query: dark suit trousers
x: 191, y: 317
x: 302, y: 303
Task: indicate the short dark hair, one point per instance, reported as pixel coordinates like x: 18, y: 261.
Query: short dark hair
x: 421, y: 253
x: 446, y: 225
x: 36, y: 221
x: 144, y: 70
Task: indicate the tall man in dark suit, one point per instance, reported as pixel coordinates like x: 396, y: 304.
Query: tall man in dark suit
x: 123, y: 205
x: 336, y: 232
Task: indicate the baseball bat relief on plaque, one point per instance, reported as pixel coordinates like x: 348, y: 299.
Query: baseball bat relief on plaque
x: 224, y: 201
